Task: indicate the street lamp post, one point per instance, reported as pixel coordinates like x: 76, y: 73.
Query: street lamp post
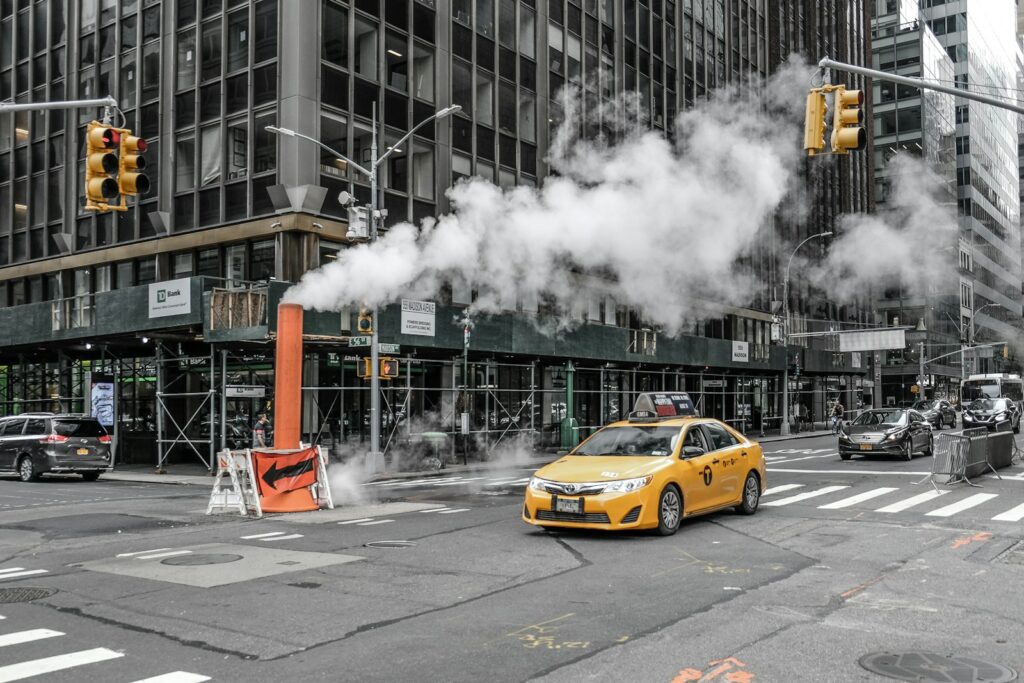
x: 376, y: 457
x: 784, y: 428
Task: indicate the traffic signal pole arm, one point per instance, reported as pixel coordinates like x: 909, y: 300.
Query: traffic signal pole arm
x: 107, y: 101
x: 921, y: 83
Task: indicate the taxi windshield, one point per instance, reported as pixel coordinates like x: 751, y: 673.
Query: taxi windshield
x: 882, y: 417
x: 631, y: 440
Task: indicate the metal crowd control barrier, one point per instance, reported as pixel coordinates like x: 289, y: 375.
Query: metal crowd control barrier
x: 977, y: 455
x: 949, y: 455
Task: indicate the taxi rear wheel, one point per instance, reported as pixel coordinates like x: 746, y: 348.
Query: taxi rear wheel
x: 670, y: 510
x: 751, y: 495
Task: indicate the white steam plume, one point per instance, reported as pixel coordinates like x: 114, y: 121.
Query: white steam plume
x: 910, y: 242
x: 664, y: 225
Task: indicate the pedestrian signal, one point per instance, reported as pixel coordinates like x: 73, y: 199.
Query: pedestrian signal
x: 364, y: 368
x: 388, y: 368
x: 847, y: 117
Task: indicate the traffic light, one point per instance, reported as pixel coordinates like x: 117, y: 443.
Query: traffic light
x: 814, y: 122
x: 388, y: 368
x: 100, y: 165
x: 1006, y: 350
x: 358, y: 223
x: 130, y: 181
x: 364, y: 368
x: 364, y: 324
x: 847, y: 117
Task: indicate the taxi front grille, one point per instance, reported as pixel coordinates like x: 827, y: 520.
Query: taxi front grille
x: 561, y: 489
x: 631, y: 516
x: 584, y: 518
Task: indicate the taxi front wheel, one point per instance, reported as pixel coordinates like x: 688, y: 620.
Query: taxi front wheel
x: 751, y: 495
x: 670, y: 510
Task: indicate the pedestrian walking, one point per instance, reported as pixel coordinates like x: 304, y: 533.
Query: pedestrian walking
x: 260, y: 432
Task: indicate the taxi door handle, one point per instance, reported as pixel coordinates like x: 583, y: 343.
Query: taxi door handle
x: 715, y: 461
x: 744, y: 453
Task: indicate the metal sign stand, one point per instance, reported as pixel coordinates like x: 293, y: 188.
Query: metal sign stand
x: 240, y: 494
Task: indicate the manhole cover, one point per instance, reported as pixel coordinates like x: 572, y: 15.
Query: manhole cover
x: 24, y: 594
x: 930, y: 667
x: 391, y: 544
x: 201, y: 559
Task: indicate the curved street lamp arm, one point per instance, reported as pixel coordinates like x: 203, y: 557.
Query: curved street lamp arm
x: 293, y: 134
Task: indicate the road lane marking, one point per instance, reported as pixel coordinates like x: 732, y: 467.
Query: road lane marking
x: 899, y: 473
x: 433, y: 510
x: 459, y: 482
x: 781, y: 488
x: 11, y: 569
x: 804, y: 496
x: 15, y: 575
x: 377, y: 521
x: 834, y: 454
x: 450, y: 512
x: 17, y: 672
x: 175, y: 677
x: 1012, y: 515
x: 859, y: 498
x: 912, y: 501
x: 142, y: 552
x: 27, y: 636
x: 281, y: 538
x: 355, y: 521
x: 272, y: 533
x: 172, y: 553
x: 960, y: 506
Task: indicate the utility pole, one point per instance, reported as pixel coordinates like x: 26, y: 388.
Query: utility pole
x: 920, y: 372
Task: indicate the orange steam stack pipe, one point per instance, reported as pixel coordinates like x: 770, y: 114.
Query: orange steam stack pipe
x: 288, y: 377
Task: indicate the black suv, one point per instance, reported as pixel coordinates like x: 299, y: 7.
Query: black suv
x: 34, y: 443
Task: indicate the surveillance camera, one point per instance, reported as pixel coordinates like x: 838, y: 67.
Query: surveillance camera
x: 318, y: 226
x: 351, y: 234
x: 344, y: 198
x: 275, y: 224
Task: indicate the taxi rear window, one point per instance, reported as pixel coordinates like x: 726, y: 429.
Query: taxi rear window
x: 631, y: 440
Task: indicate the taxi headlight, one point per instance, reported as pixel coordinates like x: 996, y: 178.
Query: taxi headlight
x: 537, y: 484
x: 627, y: 485
x: 895, y: 435
x: 1001, y: 416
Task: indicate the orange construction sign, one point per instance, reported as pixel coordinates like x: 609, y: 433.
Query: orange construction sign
x: 280, y: 473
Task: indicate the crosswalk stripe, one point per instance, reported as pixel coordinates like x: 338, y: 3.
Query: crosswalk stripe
x: 908, y: 503
x: 804, y: 496
x: 272, y: 533
x: 421, y: 482
x: 11, y: 569
x: 22, y: 670
x: 433, y: 510
x: 172, y: 553
x: 459, y: 482
x: 1012, y: 515
x: 375, y: 522
x: 27, y: 636
x: 281, y: 538
x: 15, y: 575
x: 859, y: 498
x: 781, y: 488
x: 143, y: 552
x: 960, y: 506
x: 176, y: 677
x: 449, y: 512
x: 355, y: 521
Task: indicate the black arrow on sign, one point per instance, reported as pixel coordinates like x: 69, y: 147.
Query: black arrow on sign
x: 273, y: 475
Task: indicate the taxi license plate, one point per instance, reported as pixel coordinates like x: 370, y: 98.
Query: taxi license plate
x: 83, y: 451
x: 574, y: 505
x: 866, y: 447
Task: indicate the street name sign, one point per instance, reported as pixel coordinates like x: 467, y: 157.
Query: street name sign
x: 358, y: 341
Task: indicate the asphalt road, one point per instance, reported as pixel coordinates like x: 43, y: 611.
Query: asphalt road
x: 843, y: 559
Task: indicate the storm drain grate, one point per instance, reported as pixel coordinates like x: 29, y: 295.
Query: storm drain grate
x: 390, y: 544
x: 24, y: 594
x: 930, y: 667
x: 201, y: 559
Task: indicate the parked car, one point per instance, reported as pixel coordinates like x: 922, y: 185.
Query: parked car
x: 993, y: 414
x: 937, y: 412
x: 33, y: 444
x: 894, y: 431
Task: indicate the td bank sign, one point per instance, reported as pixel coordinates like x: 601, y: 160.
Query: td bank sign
x: 173, y: 297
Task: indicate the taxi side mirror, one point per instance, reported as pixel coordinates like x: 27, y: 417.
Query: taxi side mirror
x: 692, y: 451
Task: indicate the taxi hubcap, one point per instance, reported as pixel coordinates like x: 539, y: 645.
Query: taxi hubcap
x: 670, y: 508
x: 751, y: 492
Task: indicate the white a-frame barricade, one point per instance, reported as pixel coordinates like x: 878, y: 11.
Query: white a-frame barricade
x: 234, y: 488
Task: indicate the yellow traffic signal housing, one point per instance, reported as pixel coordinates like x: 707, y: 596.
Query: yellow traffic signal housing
x: 100, y: 165
x: 814, y: 122
x: 364, y: 368
x: 388, y: 368
x: 130, y: 180
x: 364, y: 323
x: 1006, y: 350
x: 847, y: 117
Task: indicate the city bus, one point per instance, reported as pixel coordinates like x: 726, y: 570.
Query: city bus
x: 992, y: 386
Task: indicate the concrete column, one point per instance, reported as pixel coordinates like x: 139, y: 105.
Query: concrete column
x: 298, y: 58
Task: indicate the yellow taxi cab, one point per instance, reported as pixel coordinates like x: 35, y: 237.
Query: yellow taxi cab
x: 650, y: 471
